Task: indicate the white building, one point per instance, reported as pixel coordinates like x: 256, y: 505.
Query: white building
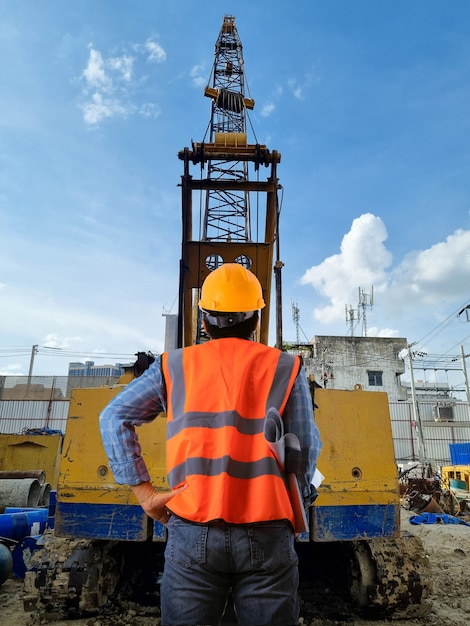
x: 343, y: 362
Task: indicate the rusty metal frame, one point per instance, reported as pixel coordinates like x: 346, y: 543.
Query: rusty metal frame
x: 193, y: 268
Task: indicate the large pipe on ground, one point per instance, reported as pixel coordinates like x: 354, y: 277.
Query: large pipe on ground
x: 38, y: 474
x: 6, y: 563
x: 24, y: 492
x: 19, y: 524
x: 45, y: 495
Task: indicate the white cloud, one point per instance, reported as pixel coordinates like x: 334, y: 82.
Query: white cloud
x: 53, y: 340
x: 94, y: 73
x: 298, y: 87
x: 111, y: 85
x: 295, y: 88
x: 268, y: 109
x: 63, y: 325
x: 424, y: 279
x: 437, y: 272
x: 156, y: 54
x: 149, y: 110
x: 362, y: 262
x: 374, y: 331
x: 122, y: 65
x: 11, y: 370
x: 428, y: 283
x: 197, y: 74
x: 101, y: 107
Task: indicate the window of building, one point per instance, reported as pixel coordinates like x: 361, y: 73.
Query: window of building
x: 375, y: 378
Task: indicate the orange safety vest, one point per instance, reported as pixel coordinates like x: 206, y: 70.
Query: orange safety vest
x: 218, y: 394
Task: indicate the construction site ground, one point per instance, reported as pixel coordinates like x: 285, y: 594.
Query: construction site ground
x: 447, y: 545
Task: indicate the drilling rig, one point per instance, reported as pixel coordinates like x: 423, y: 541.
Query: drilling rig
x: 101, y: 533
x: 230, y: 210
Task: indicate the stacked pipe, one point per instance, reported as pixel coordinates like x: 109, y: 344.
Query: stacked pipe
x: 16, y: 522
x: 24, y: 509
x: 24, y: 489
x: 6, y: 563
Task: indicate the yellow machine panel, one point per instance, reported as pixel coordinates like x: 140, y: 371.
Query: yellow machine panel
x: 27, y: 453
x: 359, y: 496
x: 357, y: 458
x: 457, y: 476
x: 85, y: 475
x: 90, y: 503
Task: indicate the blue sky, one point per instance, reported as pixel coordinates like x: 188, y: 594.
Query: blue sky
x: 368, y: 103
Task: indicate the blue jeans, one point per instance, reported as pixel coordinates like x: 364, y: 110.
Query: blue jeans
x: 256, y: 564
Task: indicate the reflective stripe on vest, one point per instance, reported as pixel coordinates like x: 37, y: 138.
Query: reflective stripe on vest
x: 218, y: 394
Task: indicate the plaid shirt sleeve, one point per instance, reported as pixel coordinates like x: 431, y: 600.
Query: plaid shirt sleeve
x: 299, y: 419
x: 138, y: 403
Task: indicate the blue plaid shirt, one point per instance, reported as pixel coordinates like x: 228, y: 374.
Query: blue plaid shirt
x: 145, y: 397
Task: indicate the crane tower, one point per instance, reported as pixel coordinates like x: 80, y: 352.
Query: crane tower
x: 228, y: 232
x: 227, y: 212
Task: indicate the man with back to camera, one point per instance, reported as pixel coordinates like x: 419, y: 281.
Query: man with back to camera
x: 229, y: 517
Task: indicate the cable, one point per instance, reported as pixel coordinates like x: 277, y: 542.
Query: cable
x: 435, y: 331
x: 459, y: 343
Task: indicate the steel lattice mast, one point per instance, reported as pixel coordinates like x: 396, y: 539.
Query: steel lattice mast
x: 224, y: 210
x: 227, y: 213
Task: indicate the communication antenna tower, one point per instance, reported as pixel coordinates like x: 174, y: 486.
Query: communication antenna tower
x: 366, y: 301
x: 296, y: 320
x: 354, y: 316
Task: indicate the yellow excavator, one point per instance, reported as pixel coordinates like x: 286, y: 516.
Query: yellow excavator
x: 103, y: 541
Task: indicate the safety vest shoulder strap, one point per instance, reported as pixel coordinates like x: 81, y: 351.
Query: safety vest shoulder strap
x: 234, y: 363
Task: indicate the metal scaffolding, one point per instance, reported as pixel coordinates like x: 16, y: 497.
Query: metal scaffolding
x: 227, y: 212
x: 225, y: 233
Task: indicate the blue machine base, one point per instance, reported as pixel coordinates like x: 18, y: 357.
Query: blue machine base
x: 129, y: 523
x: 106, y: 521
x: 347, y: 523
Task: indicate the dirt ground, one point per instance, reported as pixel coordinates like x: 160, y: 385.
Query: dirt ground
x: 447, y: 545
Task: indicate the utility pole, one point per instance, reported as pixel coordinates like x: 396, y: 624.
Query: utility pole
x: 463, y: 356
x: 465, y: 376
x: 34, y: 351
x: 418, y: 425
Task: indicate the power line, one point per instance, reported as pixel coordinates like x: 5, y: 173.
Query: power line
x: 440, y: 327
x: 9, y: 352
x: 459, y: 343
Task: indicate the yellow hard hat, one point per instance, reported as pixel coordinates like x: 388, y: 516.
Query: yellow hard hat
x: 231, y: 288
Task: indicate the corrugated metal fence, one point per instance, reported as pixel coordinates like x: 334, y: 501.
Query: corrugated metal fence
x: 40, y: 402
x: 16, y: 416
x: 437, y: 434
x: 43, y: 402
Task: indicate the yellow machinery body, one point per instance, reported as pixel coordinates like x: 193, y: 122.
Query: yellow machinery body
x: 89, y: 502
x: 456, y: 476
x: 358, y: 498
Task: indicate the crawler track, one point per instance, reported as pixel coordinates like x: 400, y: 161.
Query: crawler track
x: 376, y: 578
